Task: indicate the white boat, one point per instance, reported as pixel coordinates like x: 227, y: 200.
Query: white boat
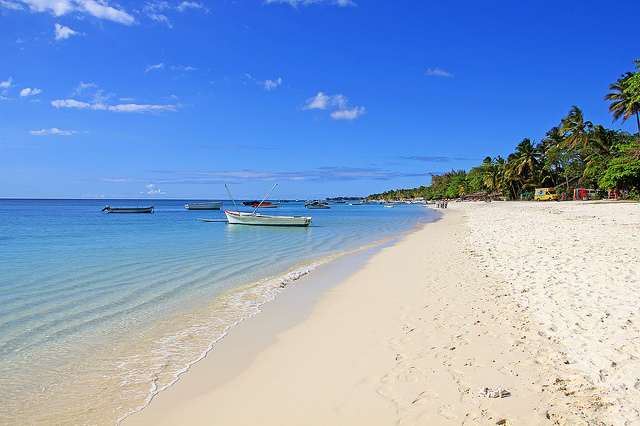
x: 253, y: 218
x: 204, y: 206
x: 245, y: 218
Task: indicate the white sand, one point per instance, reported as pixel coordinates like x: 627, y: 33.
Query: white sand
x: 539, y: 298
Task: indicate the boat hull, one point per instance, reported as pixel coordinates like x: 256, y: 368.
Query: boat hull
x: 204, y: 206
x: 264, y: 205
x: 128, y: 209
x: 242, y: 218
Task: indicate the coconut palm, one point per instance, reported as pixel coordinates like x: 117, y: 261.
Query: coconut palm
x: 575, y: 129
x: 625, y: 102
x: 527, y: 158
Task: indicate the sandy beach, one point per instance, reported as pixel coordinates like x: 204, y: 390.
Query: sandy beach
x: 535, y: 302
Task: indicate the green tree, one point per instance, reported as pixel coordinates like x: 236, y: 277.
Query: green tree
x: 575, y: 129
x: 527, y: 158
x: 625, y: 96
x: 623, y: 171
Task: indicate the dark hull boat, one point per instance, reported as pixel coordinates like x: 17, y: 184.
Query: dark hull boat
x: 109, y: 209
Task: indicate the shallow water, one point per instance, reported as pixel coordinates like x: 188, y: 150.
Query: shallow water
x: 100, y: 311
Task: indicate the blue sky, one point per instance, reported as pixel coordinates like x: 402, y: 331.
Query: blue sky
x: 172, y: 99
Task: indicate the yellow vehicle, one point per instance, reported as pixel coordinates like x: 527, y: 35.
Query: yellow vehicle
x: 544, y: 194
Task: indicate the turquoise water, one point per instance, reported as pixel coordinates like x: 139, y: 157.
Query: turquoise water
x: 101, y: 311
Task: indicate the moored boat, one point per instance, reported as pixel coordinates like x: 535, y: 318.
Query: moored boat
x: 204, y: 206
x: 264, y: 205
x: 109, y: 209
x: 317, y: 205
x: 245, y: 218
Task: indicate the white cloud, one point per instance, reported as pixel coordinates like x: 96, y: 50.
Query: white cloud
x: 348, y: 114
x: 270, y: 85
x: 52, y: 131
x: 29, y: 92
x: 99, y: 9
x: 154, y: 67
x: 141, y: 108
x: 11, y: 5
x: 6, y: 84
x: 99, y: 106
x: 152, y: 190
x: 63, y: 32
x: 182, y: 68
x: 339, y: 102
x: 437, y: 72
x: 154, y: 11
x: 160, y: 18
x: 70, y: 103
x: 81, y: 87
x: 188, y: 5
x: 319, y: 101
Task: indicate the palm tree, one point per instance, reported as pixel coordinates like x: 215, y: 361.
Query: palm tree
x: 527, y: 158
x: 575, y: 129
x: 625, y: 102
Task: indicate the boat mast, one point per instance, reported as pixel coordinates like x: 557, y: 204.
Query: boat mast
x: 234, y: 201
x: 265, y: 197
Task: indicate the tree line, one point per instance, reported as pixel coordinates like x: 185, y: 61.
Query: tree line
x: 575, y: 153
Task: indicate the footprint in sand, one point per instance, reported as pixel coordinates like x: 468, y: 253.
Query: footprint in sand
x: 446, y: 411
x: 425, y: 397
x: 411, y: 375
x: 389, y: 378
x: 387, y: 392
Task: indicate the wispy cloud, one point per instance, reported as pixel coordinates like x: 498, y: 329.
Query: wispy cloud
x: 63, y: 33
x: 267, y: 84
x: 96, y: 99
x: 437, y: 72
x: 29, y: 92
x: 154, y: 67
x: 348, y: 114
x: 295, y: 3
x: 174, y: 68
x: 338, y: 102
x: 81, y: 87
x: 270, y: 84
x: 98, y: 106
x: 11, y: 5
x: 158, y: 10
x: 95, y: 8
x: 189, y: 5
x: 5, y: 86
x: 52, y: 131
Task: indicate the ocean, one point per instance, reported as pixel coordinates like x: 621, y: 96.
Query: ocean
x: 98, y: 312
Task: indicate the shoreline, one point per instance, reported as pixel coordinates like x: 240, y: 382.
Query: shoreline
x: 408, y: 337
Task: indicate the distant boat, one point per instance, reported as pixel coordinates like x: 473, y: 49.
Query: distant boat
x: 317, y: 205
x: 264, y: 205
x: 204, y: 206
x: 109, y: 209
x: 245, y: 218
x: 359, y: 203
